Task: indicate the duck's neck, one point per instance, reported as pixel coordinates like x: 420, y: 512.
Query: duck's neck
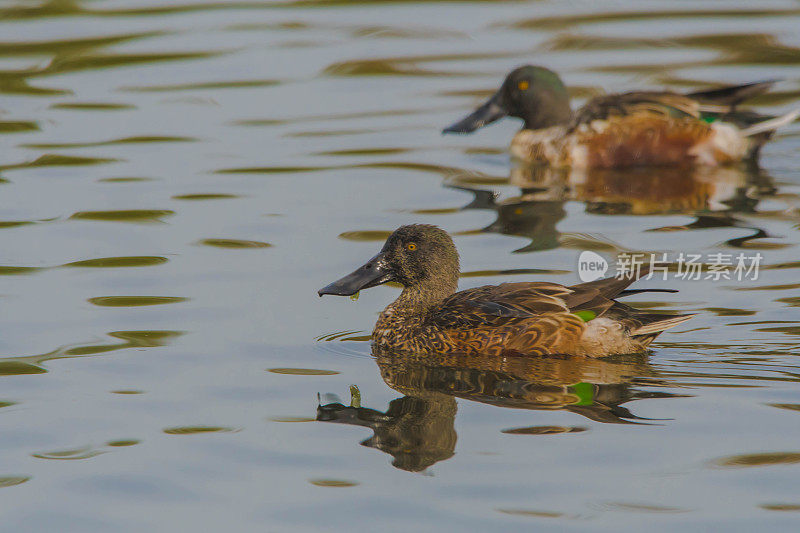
x: 549, y: 108
x: 421, y: 298
x: 547, y: 114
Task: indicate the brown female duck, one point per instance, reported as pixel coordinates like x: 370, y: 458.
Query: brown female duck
x: 643, y: 128
x: 529, y: 318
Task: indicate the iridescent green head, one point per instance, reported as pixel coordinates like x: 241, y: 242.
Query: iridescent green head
x: 534, y: 94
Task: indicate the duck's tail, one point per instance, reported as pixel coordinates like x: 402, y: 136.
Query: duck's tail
x: 733, y: 94
x: 770, y: 125
x: 654, y: 324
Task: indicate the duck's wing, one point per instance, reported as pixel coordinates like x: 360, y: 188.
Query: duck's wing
x: 733, y: 95
x: 510, y: 303
x: 706, y: 104
x: 662, y: 103
x: 614, y: 286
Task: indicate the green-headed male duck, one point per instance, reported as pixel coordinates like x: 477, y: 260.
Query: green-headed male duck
x: 644, y: 128
x: 528, y: 318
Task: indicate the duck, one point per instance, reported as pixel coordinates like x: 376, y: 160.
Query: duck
x: 641, y: 128
x: 432, y: 317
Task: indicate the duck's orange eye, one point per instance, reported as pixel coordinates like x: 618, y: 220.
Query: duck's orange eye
x: 411, y: 246
x: 523, y: 85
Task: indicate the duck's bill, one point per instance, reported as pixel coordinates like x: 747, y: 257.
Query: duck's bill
x: 375, y: 272
x: 486, y: 114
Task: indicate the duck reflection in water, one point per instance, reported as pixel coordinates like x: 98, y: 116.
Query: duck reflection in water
x: 714, y: 196
x: 418, y: 428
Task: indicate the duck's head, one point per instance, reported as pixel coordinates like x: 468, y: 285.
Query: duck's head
x: 534, y: 94
x: 419, y: 256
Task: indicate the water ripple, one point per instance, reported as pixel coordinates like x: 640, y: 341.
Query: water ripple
x: 138, y: 216
x: 134, y: 301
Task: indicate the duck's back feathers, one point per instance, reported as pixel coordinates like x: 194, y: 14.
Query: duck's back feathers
x: 663, y: 104
x: 496, y: 305
x: 512, y: 302
x: 707, y: 105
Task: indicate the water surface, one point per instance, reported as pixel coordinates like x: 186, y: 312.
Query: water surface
x: 179, y: 178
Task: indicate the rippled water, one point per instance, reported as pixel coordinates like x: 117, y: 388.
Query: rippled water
x: 179, y: 178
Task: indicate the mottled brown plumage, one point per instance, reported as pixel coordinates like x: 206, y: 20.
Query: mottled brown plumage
x: 642, y: 128
x: 528, y: 318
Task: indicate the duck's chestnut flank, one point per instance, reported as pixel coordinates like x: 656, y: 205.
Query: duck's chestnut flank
x: 430, y: 317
